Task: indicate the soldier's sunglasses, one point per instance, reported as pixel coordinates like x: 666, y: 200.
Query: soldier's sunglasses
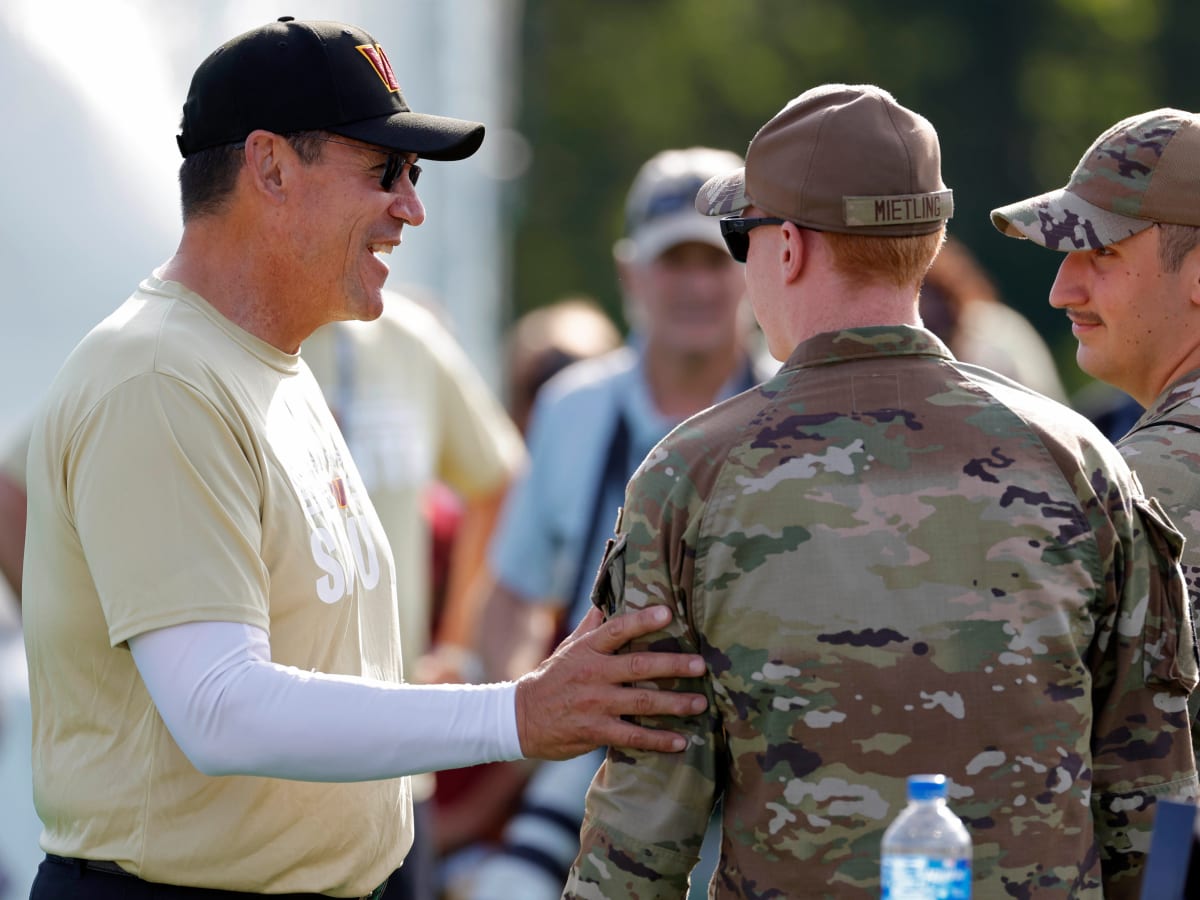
x: 736, y: 232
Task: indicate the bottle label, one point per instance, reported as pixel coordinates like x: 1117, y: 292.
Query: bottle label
x: 926, y: 878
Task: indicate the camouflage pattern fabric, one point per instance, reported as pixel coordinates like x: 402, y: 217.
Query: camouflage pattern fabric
x: 723, y: 196
x: 1109, y: 195
x: 897, y: 563
x: 1163, y: 449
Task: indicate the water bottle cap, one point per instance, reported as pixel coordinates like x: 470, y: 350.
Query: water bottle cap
x: 926, y: 787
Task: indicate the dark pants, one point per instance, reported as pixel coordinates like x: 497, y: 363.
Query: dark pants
x: 59, y: 879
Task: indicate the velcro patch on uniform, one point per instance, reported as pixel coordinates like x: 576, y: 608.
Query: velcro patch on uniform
x: 898, y: 209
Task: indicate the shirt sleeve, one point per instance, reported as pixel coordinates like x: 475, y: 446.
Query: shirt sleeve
x: 160, y: 486
x: 647, y: 812
x: 233, y: 711
x: 1167, y: 464
x: 1143, y: 663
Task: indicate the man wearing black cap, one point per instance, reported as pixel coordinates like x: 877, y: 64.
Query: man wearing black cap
x: 894, y: 563
x: 210, y: 610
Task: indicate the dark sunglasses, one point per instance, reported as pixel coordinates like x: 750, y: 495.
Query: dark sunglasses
x: 392, y: 168
x: 736, y: 232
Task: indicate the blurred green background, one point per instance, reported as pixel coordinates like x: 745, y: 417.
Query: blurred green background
x: 1016, y: 89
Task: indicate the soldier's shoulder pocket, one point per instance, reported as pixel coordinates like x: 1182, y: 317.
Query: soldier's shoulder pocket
x: 608, y: 590
x: 1170, y: 652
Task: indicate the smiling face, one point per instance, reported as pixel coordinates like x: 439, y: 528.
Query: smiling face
x: 1134, y: 322
x: 345, y: 222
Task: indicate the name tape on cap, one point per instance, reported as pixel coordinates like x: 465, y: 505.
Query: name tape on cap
x: 898, y: 209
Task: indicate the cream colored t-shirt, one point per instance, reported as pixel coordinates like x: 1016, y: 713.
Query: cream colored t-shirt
x: 183, y: 470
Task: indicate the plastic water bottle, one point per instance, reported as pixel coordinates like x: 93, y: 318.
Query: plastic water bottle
x: 926, y: 849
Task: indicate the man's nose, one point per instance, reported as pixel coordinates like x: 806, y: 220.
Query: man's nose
x: 1067, y: 287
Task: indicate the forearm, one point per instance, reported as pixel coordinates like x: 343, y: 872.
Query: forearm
x: 467, y: 585
x: 234, y: 711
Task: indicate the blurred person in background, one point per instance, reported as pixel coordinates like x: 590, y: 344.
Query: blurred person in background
x: 19, y: 820
x: 12, y: 511
x: 544, y: 341
x: 959, y: 303
x: 591, y: 426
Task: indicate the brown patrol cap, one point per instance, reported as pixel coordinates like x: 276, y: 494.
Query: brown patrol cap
x: 1140, y: 171
x: 844, y: 158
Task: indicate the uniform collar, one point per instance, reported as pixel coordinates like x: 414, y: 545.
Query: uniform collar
x: 869, y: 342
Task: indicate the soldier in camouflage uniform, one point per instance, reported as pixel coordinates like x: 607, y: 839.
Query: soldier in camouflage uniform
x: 894, y: 563
x: 1128, y: 223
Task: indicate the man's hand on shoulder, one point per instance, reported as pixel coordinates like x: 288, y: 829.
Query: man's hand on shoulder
x: 573, y: 702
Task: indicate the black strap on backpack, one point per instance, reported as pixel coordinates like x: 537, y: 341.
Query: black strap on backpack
x: 618, y: 465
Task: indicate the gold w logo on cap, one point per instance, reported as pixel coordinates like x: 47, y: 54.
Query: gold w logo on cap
x: 379, y: 62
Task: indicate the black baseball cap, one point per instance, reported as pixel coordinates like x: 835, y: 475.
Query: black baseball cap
x: 292, y: 76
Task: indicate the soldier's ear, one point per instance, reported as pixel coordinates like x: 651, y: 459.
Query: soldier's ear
x: 793, y: 252
x: 1190, y: 270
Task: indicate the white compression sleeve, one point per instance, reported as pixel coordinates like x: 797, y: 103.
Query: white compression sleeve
x: 233, y: 711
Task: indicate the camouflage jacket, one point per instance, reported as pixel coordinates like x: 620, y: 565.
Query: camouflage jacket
x: 1163, y: 448
x: 897, y: 563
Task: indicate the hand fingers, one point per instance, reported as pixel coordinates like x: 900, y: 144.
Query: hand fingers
x: 630, y: 701
x: 645, y: 665
x: 621, y: 629
x: 631, y: 736
x: 642, y: 665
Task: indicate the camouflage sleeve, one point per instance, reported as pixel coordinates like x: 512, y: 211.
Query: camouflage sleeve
x: 1166, y: 459
x: 647, y: 812
x: 1143, y: 668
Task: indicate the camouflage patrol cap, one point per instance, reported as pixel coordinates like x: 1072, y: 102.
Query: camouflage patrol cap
x: 1139, y: 172
x: 659, y: 209
x: 840, y: 157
